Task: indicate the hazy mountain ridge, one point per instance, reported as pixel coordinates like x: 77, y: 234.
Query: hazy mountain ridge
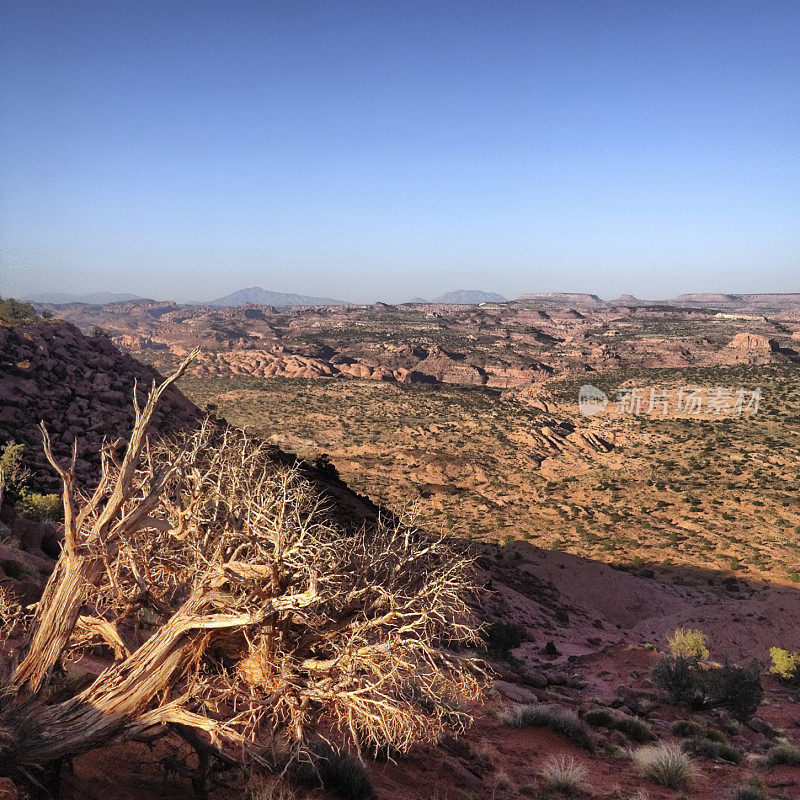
x: 469, y: 297
x: 261, y: 297
x: 92, y: 299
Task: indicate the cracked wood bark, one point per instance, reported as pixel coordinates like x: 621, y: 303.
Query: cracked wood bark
x: 62, y: 602
x: 116, y: 704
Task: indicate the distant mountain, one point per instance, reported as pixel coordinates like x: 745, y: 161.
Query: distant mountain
x: 758, y: 303
x: 417, y: 300
x: 706, y: 298
x: 466, y: 297
x: 626, y: 300
x: 261, y: 297
x: 94, y: 299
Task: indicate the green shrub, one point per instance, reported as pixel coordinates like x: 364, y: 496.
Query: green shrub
x: 665, y: 765
x: 40, y: 507
x: 635, y: 728
x: 33, y: 505
x: 748, y: 792
x: 785, y: 664
x: 502, y: 637
x: 555, y: 718
x: 12, y: 311
x: 688, y: 643
x: 16, y: 475
x: 735, y: 688
x: 783, y: 754
x: 599, y: 718
x: 335, y: 771
x: 701, y: 746
x: 687, y: 728
x: 677, y: 677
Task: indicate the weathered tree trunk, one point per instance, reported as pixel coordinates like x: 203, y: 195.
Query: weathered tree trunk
x: 65, y: 594
x: 57, y: 613
x: 116, y: 703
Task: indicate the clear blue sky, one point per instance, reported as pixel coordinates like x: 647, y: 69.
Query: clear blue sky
x: 384, y: 149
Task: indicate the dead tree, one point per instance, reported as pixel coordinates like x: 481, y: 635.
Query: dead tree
x: 235, y: 608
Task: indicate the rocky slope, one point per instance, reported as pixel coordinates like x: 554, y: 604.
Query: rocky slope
x: 81, y: 387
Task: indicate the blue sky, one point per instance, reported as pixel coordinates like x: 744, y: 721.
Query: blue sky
x: 382, y: 150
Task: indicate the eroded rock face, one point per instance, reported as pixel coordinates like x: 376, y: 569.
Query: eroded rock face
x: 515, y: 345
x: 751, y: 341
x: 81, y: 387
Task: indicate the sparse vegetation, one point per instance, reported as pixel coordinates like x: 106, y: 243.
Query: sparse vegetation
x: 785, y: 664
x: 665, y: 765
x: 736, y: 688
x: 564, y: 774
x: 683, y: 492
x: 782, y: 753
x: 688, y: 643
x: 555, y: 718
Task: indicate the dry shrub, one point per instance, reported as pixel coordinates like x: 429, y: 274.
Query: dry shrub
x: 564, y: 774
x: 10, y: 611
x: 555, y: 718
x: 237, y: 606
x: 665, y: 764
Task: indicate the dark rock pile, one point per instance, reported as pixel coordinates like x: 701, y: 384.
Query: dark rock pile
x: 81, y: 387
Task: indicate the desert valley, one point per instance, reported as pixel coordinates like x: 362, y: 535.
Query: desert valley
x: 597, y: 534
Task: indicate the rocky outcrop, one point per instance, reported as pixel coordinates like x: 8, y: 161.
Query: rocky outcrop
x: 498, y: 346
x: 80, y: 386
x: 751, y: 341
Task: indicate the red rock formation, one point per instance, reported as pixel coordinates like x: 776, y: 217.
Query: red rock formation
x: 751, y: 341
